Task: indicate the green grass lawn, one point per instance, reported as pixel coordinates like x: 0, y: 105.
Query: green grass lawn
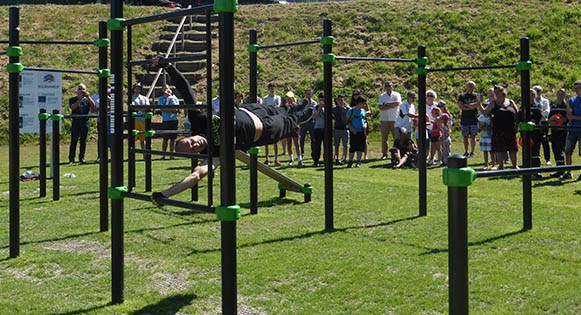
x: 381, y: 259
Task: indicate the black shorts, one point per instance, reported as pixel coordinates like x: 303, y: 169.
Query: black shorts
x: 357, y: 142
x: 169, y: 125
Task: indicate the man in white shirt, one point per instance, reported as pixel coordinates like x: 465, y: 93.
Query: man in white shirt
x: 545, y: 106
x: 405, y: 114
x: 388, y: 103
x: 271, y: 100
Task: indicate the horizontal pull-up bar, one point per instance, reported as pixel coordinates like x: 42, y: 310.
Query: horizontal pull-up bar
x: 527, y: 171
x: 62, y: 70
x: 166, y: 153
x: 169, y: 15
x: 50, y: 42
x: 81, y: 116
x: 472, y: 68
x: 171, y: 202
x: 168, y: 132
x: 308, y: 42
x: 170, y: 59
x: 187, y: 106
x: 374, y: 59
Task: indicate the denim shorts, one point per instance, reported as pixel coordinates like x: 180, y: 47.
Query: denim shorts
x: 469, y: 130
x: 572, y: 138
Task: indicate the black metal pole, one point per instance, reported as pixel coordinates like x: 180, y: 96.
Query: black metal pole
x: 228, y: 162
x: 328, y: 140
x: 131, y: 120
x: 422, y: 137
x: 253, y: 180
x: 209, y: 102
x: 458, y: 243
x: 147, y: 156
x: 103, y: 123
x: 525, y: 85
x: 194, y: 190
x: 55, y: 163
x: 253, y: 74
x: 117, y: 259
x: 42, y: 154
x: 14, y: 138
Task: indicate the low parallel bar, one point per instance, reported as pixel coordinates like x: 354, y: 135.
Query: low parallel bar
x: 61, y: 70
x: 308, y: 42
x: 569, y: 128
x: 171, y: 202
x: 149, y: 107
x: 528, y: 171
x: 374, y: 59
x: 471, y: 68
x: 169, y: 15
x: 167, y: 153
x: 191, y: 57
x: 168, y: 132
x: 49, y: 42
x: 80, y: 116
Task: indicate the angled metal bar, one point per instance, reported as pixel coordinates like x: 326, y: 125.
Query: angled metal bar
x: 374, y: 59
x: 169, y: 15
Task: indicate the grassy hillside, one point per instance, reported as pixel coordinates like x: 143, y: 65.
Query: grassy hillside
x: 455, y: 33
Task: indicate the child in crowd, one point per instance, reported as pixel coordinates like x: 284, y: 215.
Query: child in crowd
x: 436, y: 137
x: 446, y: 119
x: 356, y: 123
x: 485, y: 127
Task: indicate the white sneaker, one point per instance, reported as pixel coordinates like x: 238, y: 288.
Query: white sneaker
x: 549, y: 162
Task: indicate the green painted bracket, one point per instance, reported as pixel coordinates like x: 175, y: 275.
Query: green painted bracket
x: 44, y: 116
x: 526, y: 126
x: 524, y: 65
x: 458, y: 177
x: 226, y: 6
x: 56, y: 117
x: 307, y: 189
x: 422, y: 70
x: 327, y: 40
x: 423, y: 61
x: 147, y: 115
x: 228, y: 213
x: 116, y: 24
x: 328, y: 58
x: 104, y: 73
x: 116, y: 193
x: 149, y: 133
x: 14, y: 51
x: 253, y: 48
x: 14, y: 67
x: 102, y: 42
x: 254, y: 151
x: 135, y: 132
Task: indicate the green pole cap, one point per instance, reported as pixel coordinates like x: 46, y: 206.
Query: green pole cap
x: 147, y: 115
x: 14, y: 67
x: 149, y: 133
x: 116, y: 193
x: 44, y: 116
x: 226, y: 6
x: 136, y: 114
x: 281, y: 186
x: 421, y: 70
x: 328, y: 58
x: 422, y: 61
x: 135, y: 132
x: 524, y: 65
x: 253, y: 48
x: 102, y: 42
x: 228, y: 213
x: 103, y: 73
x: 307, y: 189
x: 458, y: 177
x: 526, y: 126
x: 56, y: 117
x: 14, y: 51
x: 327, y: 40
x: 116, y: 24
x: 254, y: 151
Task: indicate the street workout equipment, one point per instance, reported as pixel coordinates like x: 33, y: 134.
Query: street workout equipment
x: 14, y: 68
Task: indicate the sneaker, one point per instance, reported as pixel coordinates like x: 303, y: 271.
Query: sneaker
x: 341, y: 162
x: 548, y: 162
x: 471, y: 155
x: 300, y: 162
x: 350, y: 164
x: 537, y: 176
x: 316, y: 164
x: 71, y: 163
x: 466, y: 154
x: 358, y: 165
x: 291, y: 162
x: 277, y: 162
x: 556, y: 175
x: 384, y: 157
x: 565, y: 176
x: 82, y: 161
x: 337, y: 162
x: 266, y: 162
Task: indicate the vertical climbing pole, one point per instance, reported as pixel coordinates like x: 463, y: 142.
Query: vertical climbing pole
x: 103, y: 44
x: 422, y: 72
x: 43, y: 116
x: 327, y: 41
x: 524, y: 67
x: 252, y: 59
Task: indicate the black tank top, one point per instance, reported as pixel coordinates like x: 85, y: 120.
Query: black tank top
x: 504, y: 118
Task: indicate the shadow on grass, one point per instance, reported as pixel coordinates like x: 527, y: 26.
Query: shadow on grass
x: 169, y: 305
x: 275, y: 201
x: 85, y: 310
x: 482, y: 242
x: 553, y: 183
x: 308, y: 235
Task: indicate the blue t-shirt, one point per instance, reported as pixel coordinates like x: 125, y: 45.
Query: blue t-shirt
x: 575, y: 104
x: 171, y: 100
x: 357, y: 118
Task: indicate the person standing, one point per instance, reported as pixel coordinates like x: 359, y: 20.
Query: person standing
x: 309, y: 126
x: 340, y: 131
x: 81, y: 105
x: 357, y: 137
x: 319, y: 130
x: 545, y: 105
x: 216, y: 104
x: 574, y: 134
x: 557, y: 118
x: 271, y: 100
x: 405, y: 114
x: 469, y: 102
x: 170, y: 118
x: 388, y: 103
x: 138, y: 99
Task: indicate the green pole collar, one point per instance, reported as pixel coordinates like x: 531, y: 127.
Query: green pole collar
x: 328, y: 58
x: 254, y: 151
x: 14, y: 67
x: 421, y: 70
x: 44, y: 116
x: 136, y: 114
x: 228, y: 213
x: 56, y: 117
x: 149, y: 133
x: 14, y: 51
x: 102, y: 42
x: 253, y: 48
x: 135, y: 132
x: 103, y: 73
x: 526, y: 126
x: 307, y: 189
x: 116, y: 193
x: 116, y: 24
x: 423, y: 61
x: 458, y: 177
x: 147, y: 115
x: 327, y: 40
x: 524, y: 65
x: 226, y: 6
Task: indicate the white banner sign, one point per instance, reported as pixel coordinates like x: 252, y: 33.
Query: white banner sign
x: 38, y: 89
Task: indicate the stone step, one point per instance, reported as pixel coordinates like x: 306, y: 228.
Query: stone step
x: 188, y: 45
x: 172, y: 28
